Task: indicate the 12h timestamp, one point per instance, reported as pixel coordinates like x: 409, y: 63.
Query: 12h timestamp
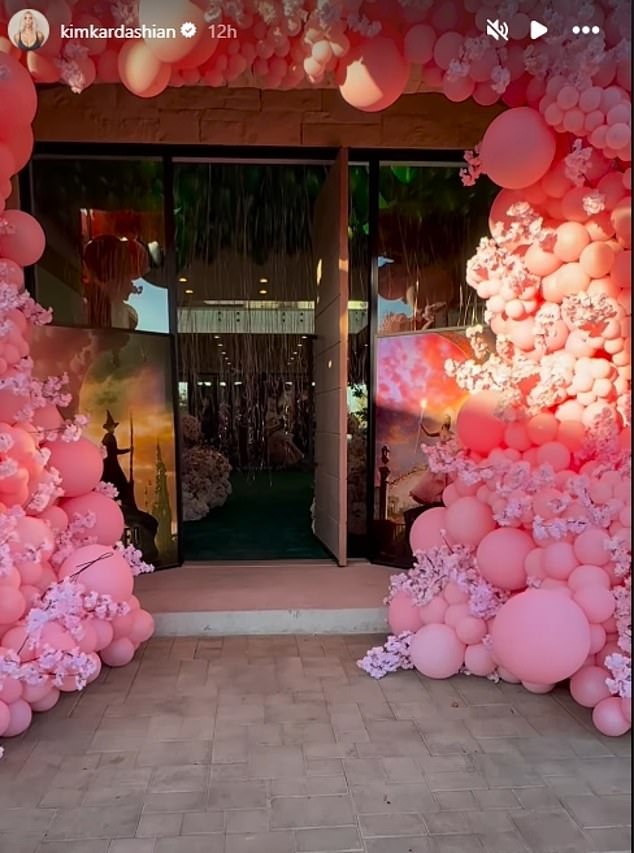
x: 222, y: 31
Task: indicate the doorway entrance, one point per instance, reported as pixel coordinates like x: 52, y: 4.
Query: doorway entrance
x: 262, y: 328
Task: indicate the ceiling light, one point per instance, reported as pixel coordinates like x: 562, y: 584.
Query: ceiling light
x: 300, y: 345
x: 237, y: 383
x: 183, y: 279
x: 304, y: 337
x: 264, y: 280
x: 223, y: 384
x: 263, y: 292
x: 189, y: 291
x: 216, y: 337
x: 220, y: 345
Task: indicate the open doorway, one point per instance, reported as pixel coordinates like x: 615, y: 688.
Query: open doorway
x: 246, y: 326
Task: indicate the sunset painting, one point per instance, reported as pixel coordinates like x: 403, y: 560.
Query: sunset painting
x: 122, y: 381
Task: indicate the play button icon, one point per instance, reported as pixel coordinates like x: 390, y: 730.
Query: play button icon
x: 538, y: 30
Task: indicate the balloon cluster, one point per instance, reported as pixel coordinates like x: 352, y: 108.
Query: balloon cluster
x: 66, y: 581
x: 525, y: 573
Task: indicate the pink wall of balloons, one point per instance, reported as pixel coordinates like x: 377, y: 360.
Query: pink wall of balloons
x: 525, y: 573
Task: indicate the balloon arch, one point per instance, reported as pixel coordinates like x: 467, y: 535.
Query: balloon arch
x: 525, y: 573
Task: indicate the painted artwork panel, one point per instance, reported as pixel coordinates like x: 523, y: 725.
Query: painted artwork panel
x: 416, y: 406
x: 122, y: 381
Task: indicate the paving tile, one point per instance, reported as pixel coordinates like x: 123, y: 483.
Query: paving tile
x: 172, y: 753
x: 377, y: 797
x: 87, y: 822
x: 202, y: 823
x: 340, y: 839
x: 132, y: 845
x: 307, y: 812
x: 505, y: 842
x: 191, y: 844
x: 553, y: 832
x: 471, y: 822
x: 275, y: 762
x: 612, y: 840
x: 175, y: 801
x: 186, y: 777
x: 260, y: 842
x: 391, y: 824
x: 458, y: 843
x: 159, y: 825
x: 313, y: 786
x: 600, y: 812
x: 468, y: 780
x: 85, y: 846
x: 246, y: 820
x: 237, y: 795
x: 457, y: 800
x: 412, y: 844
x: 36, y: 821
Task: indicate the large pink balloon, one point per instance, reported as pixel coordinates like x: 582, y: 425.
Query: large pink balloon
x: 436, y: 651
x: 376, y: 75
x: 588, y: 686
x: 141, y: 71
x: 403, y: 614
x: 109, y: 519
x: 518, y: 148
x: 25, y: 243
x: 477, y: 426
x: 118, y: 653
x: 469, y: 521
x: 425, y: 532
x: 17, y: 96
x: 501, y: 556
x: 21, y: 717
x: 609, y: 718
x: 79, y: 463
x: 541, y: 636
x: 100, y: 569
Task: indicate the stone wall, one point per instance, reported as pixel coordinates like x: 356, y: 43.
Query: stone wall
x: 249, y: 116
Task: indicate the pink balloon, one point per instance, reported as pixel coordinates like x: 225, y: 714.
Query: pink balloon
x: 100, y: 569
x: 419, y: 44
x: 572, y: 238
x: 12, y: 605
x: 590, y: 547
x: 5, y: 717
x: 143, y: 626
x: 104, y: 632
x: 541, y: 636
x: 25, y: 245
x: 588, y: 576
x: 109, y: 519
x: 118, y: 653
x: 626, y: 707
x: 455, y: 613
x: 471, y: 630
x: 596, y: 602
x: 597, y: 639
x: 469, y: 520
x: 518, y: 148
x: 609, y: 718
x: 559, y: 560
x: 588, y: 686
x: 79, y: 463
x: 35, y: 692
x: 425, y: 531
x: 516, y: 436
x: 477, y: 425
x: 478, y: 660
x: 17, y: 95
x: 141, y: 71
x: 47, y: 702
x: 537, y: 688
x: 555, y: 454
x: 403, y: 614
x: 21, y: 715
x: 542, y: 428
x: 436, y: 651
x: 453, y: 594
x: 501, y: 556
x: 376, y: 75
x: 434, y: 611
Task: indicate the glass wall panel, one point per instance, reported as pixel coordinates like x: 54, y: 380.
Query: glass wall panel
x: 103, y: 266
x: 429, y: 225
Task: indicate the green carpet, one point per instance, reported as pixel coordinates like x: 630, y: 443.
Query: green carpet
x: 267, y: 517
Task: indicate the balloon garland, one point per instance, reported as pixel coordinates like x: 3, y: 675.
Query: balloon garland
x: 525, y: 573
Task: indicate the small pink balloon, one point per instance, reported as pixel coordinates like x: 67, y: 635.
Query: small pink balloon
x: 21, y: 716
x: 501, y: 556
x: 477, y: 425
x: 537, y: 688
x: 403, y: 614
x: 23, y: 241
x: 10, y: 689
x: 478, y: 660
x: 468, y: 521
x: 104, y: 632
x: 143, y: 626
x: 597, y: 638
x: 436, y: 651
x: 559, y: 560
x: 5, y: 717
x: 609, y: 718
x: 455, y: 613
x: 454, y: 594
x: 508, y: 676
x: 596, y: 602
x: 434, y: 612
x: 47, y: 702
x: 118, y: 653
x: 376, y: 75
x: 590, y: 547
x: 555, y: 454
x: 626, y: 707
x: 588, y: 686
x: 96, y: 662
x: 426, y: 529
x: 35, y: 692
x: 471, y: 630
x: 542, y: 428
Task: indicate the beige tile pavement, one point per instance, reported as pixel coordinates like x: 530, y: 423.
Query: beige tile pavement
x: 281, y: 745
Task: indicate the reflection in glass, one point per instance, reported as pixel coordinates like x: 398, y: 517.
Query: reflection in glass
x: 105, y: 242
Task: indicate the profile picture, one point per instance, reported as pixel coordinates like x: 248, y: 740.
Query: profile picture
x: 28, y: 29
